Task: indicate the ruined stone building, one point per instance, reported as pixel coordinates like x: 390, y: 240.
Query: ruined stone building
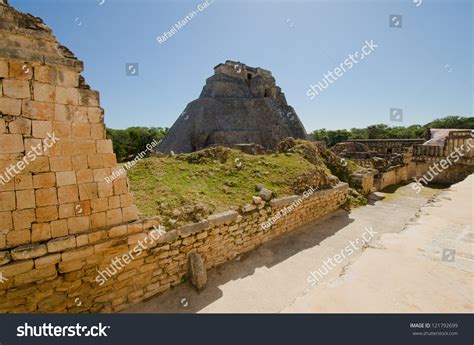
x: 238, y: 105
x: 399, y: 160
x: 457, y: 144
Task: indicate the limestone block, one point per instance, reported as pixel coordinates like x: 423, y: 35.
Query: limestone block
x: 62, y: 243
x: 114, y: 217
x: 190, y: 229
x: 65, y: 178
x: 77, y: 254
x: 47, y: 260
x: 40, y: 232
x: 226, y: 217
x: 62, y: 130
x: 78, y: 224
x: 67, y: 77
x: 248, y: 207
x: 81, y: 130
x: 47, y: 213
x: 46, y: 197
x: 44, y: 180
x: 66, y: 95
x: 197, y: 271
x: 284, y: 201
x: 10, y: 106
x: 265, y: 194
x: 41, y: 129
x: 16, y: 88
x: 98, y: 220
x: 89, y: 98
x: 20, y: 70
x: 20, y: 126
x: 45, y: 74
x: 59, y: 228
x: 23, y: 219
x: 18, y: 237
x: 44, y: 92
x: 6, y: 221
x: 16, y: 268
x: 30, y: 251
x: 25, y: 199
x: 60, y: 163
x: 7, y: 201
x: 11, y: 143
x: 95, y: 114
x: 38, y: 110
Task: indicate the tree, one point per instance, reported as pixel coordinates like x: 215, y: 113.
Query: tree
x: 129, y: 142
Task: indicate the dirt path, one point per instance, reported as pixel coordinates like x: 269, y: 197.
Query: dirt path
x: 429, y: 267
x: 275, y: 276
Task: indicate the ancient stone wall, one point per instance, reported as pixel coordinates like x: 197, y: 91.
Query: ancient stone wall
x: 82, y: 273
x: 391, y: 177
x: 458, y: 148
x: 388, y: 145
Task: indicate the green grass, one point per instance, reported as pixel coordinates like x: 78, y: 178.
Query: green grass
x: 177, y: 183
x: 188, y: 187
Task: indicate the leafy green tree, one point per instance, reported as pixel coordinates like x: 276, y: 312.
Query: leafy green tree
x: 129, y: 142
x: 382, y: 131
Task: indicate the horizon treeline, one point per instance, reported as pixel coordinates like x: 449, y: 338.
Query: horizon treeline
x: 129, y: 142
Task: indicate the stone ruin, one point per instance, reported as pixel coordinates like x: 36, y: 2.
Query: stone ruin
x: 360, y: 153
x: 238, y: 105
x: 63, y: 226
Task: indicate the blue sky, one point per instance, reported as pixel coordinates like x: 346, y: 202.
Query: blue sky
x: 425, y: 67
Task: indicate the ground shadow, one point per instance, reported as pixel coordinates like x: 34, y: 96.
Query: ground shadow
x: 184, y: 298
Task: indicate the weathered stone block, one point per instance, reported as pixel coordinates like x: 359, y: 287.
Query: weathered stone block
x: 197, y: 271
x: 62, y: 243
x: 44, y: 92
x: 45, y: 74
x: 23, y: 219
x: 66, y: 95
x: 284, y: 201
x: 265, y: 194
x: 190, y: 229
x: 65, y: 178
x: 7, y: 201
x: 44, y: 180
x: 40, y: 232
x: 47, y: 213
x: 10, y: 106
x: 225, y: 217
x: 16, y: 88
x: 78, y: 224
x: 60, y: 163
x: 25, y: 199
x: 38, y: 110
x: 47, y: 260
x: 46, y: 197
x: 11, y: 143
x: 41, y: 129
x: 20, y: 70
x: 77, y: 254
x: 30, y: 251
x: 20, y: 126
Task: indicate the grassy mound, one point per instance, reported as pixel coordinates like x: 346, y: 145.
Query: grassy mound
x: 188, y: 187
